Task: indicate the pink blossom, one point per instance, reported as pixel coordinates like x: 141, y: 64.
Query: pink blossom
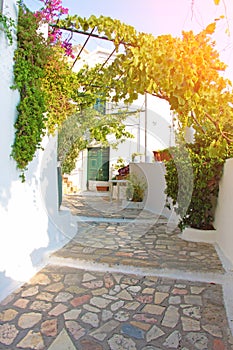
x: 51, y: 12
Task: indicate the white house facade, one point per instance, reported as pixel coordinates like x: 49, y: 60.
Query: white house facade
x: 151, y: 125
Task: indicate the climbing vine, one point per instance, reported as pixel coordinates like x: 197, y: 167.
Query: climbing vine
x: 60, y: 86
x: 184, y: 71
x: 46, y: 85
x: 30, y: 59
x: 50, y: 94
x: 83, y: 128
x: 7, y: 24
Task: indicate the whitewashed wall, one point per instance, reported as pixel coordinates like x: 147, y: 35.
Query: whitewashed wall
x: 155, y: 198
x: 30, y: 223
x: 224, y: 212
x: 153, y: 174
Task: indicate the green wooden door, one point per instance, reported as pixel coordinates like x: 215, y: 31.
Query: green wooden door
x: 98, y: 164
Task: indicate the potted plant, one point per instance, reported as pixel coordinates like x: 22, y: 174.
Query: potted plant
x: 135, y: 189
x: 121, y: 168
x: 134, y: 155
x: 120, y: 163
x: 162, y: 155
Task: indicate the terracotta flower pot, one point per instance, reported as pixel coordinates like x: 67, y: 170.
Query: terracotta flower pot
x: 157, y: 157
x: 161, y: 156
x: 102, y: 188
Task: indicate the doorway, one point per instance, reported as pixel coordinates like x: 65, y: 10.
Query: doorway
x: 98, y: 164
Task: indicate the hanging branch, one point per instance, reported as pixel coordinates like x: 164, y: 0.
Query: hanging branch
x: 159, y: 95
x: 196, y: 121
x: 224, y: 134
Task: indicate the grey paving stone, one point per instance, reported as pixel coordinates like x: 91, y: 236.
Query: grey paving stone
x: 154, y: 333
x: 91, y: 318
x: 120, y: 342
x: 62, y: 342
x: 173, y: 340
x: 199, y: 340
x: 171, y: 317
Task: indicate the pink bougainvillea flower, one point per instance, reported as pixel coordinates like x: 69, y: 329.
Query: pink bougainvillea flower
x: 51, y: 12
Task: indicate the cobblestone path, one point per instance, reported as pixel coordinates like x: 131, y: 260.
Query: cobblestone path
x: 142, y: 245
x: 106, y: 307
x: 65, y: 308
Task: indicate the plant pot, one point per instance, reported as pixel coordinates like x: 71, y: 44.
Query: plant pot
x: 102, y: 188
x: 161, y: 156
x: 157, y: 156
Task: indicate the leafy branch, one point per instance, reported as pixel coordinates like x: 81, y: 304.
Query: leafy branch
x: 192, y: 184
x: 8, y: 25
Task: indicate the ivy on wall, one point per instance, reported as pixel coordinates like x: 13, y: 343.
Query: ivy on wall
x: 7, y: 25
x: 29, y: 68
x: 46, y: 85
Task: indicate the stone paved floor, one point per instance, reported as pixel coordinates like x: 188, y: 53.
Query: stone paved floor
x: 99, y: 207
x: 99, y: 310
x: 67, y: 308
x: 142, y: 245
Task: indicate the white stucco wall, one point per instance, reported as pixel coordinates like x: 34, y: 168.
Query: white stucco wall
x: 224, y: 212
x: 153, y: 174
x: 30, y: 223
x: 155, y: 197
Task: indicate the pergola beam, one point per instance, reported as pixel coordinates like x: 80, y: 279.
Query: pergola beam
x: 83, y: 47
x: 91, y: 34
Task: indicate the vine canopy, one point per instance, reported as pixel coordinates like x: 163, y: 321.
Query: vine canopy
x: 185, y: 71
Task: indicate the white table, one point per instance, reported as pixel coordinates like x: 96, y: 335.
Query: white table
x: 118, y: 183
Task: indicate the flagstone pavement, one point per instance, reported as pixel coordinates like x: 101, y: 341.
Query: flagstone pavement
x: 126, y: 281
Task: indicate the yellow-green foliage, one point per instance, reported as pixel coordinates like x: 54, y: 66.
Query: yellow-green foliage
x: 59, y: 85
x: 184, y: 71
